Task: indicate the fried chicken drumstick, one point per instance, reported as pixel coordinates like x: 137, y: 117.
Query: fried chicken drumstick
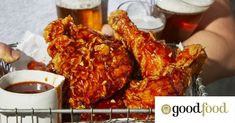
x: 163, y: 73
x: 94, y: 65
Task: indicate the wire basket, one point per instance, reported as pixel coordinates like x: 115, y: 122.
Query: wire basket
x: 74, y: 114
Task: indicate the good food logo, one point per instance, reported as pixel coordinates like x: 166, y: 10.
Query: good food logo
x: 203, y: 108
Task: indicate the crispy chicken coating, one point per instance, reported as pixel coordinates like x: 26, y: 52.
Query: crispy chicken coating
x: 153, y: 57
x: 94, y: 65
x: 163, y: 73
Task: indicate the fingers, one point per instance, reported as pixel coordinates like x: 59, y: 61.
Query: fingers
x: 7, y: 54
x: 107, y: 30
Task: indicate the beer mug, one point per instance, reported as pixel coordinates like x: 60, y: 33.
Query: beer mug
x: 145, y: 16
x: 183, y: 17
x: 85, y: 12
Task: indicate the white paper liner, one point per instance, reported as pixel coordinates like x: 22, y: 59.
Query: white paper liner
x: 32, y: 47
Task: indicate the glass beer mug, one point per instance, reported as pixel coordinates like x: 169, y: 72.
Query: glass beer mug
x: 144, y: 14
x: 85, y: 12
x: 183, y: 17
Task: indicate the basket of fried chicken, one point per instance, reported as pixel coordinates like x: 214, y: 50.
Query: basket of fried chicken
x: 124, y: 71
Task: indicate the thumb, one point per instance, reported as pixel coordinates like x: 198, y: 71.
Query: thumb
x: 15, y: 55
x: 7, y: 54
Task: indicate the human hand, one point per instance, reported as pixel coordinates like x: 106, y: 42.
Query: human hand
x: 7, y: 54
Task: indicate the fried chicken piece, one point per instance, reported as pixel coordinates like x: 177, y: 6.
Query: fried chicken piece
x: 57, y: 28
x: 153, y: 57
x: 141, y: 93
x: 191, y: 58
x: 163, y: 74
x: 189, y: 62
x: 94, y: 65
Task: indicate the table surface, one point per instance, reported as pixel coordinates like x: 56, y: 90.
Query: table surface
x: 19, y: 16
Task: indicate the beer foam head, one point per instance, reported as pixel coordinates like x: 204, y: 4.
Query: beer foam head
x: 147, y: 22
x: 199, y: 2
x: 182, y: 7
x: 78, y: 4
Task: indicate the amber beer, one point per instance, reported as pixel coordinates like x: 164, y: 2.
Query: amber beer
x: 182, y: 18
x: 85, y: 12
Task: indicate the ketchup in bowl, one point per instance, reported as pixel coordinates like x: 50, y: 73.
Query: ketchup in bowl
x: 29, y: 87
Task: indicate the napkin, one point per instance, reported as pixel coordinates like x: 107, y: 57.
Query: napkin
x: 32, y: 47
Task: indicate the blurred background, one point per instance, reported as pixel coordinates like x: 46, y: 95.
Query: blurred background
x: 19, y: 16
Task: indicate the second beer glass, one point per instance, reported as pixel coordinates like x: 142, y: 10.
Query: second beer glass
x: 183, y: 17
x: 85, y: 12
x: 145, y: 16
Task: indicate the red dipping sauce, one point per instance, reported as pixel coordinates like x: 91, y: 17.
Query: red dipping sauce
x: 29, y: 87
